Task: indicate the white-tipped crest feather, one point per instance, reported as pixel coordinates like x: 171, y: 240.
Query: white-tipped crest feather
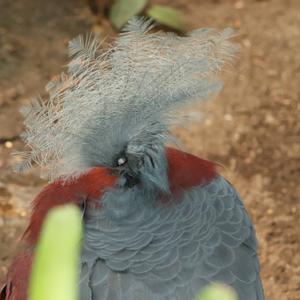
x: 109, y: 98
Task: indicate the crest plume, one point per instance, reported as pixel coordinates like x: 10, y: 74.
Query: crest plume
x: 110, y: 97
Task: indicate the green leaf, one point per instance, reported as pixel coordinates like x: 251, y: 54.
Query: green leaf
x: 122, y: 10
x: 55, y: 267
x: 168, y: 16
x: 217, y: 291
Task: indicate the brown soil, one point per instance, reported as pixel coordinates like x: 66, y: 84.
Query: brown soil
x: 252, y: 128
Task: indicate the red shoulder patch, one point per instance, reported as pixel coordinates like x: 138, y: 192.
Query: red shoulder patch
x: 16, y: 285
x: 89, y: 186
x: 186, y: 170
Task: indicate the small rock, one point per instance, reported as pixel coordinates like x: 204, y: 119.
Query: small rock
x: 8, y: 144
x: 269, y: 119
x: 239, y: 5
x: 246, y: 43
x: 228, y: 117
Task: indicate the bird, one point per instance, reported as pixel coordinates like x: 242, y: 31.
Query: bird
x: 159, y: 223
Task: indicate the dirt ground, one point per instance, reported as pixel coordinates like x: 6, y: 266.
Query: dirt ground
x: 252, y: 128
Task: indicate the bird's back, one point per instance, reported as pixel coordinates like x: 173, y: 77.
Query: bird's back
x: 172, y: 250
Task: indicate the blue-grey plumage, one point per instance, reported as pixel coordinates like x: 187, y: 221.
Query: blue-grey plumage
x: 171, y: 250
x: 112, y: 110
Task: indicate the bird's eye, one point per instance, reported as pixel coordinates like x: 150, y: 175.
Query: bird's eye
x: 121, y: 161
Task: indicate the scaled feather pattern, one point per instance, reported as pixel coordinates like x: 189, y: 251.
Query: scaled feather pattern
x: 107, y: 98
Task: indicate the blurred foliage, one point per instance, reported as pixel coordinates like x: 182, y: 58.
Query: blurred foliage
x: 167, y: 16
x: 122, y: 10
x: 55, y: 268
x: 217, y: 291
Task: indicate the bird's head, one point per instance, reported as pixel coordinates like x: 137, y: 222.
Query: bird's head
x: 143, y: 164
x: 113, y: 108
